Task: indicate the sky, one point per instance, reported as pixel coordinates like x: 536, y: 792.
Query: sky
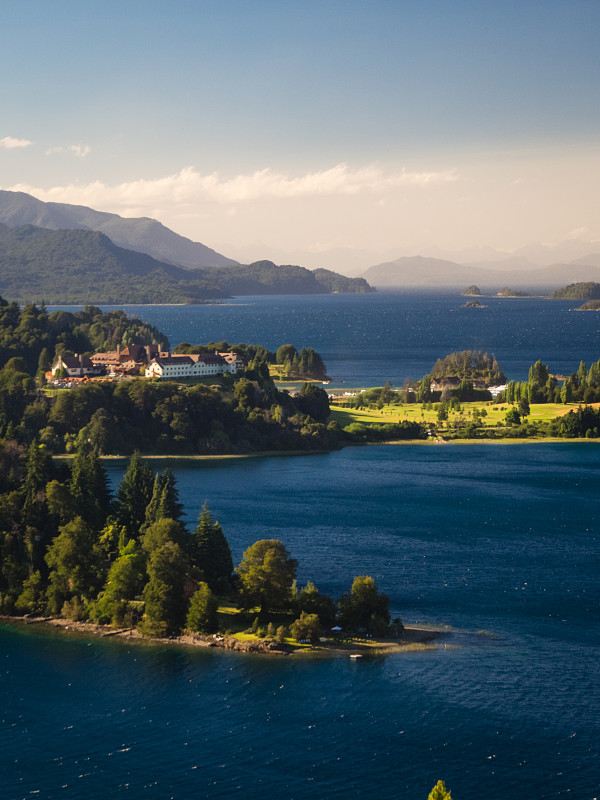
x: 328, y: 131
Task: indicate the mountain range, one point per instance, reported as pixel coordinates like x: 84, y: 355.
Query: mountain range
x: 55, y: 252
x: 535, y: 267
x: 141, y: 234
x: 421, y: 271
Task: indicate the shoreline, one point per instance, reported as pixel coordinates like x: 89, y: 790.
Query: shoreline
x: 397, y: 443
x: 412, y: 639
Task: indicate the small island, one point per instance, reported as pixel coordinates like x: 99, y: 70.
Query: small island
x: 472, y: 291
x: 473, y: 304
x: 590, y: 305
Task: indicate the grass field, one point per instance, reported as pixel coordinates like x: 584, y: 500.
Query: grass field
x: 416, y: 413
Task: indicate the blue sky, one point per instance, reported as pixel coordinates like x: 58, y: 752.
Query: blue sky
x: 294, y: 125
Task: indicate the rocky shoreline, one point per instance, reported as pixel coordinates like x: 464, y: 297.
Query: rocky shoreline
x: 411, y: 638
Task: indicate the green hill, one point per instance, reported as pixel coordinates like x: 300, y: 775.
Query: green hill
x: 588, y: 290
x: 82, y: 267
x: 141, y: 234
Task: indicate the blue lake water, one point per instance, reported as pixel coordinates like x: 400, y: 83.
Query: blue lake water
x: 498, y: 542
x: 366, y: 340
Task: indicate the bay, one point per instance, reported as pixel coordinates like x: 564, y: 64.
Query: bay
x: 498, y: 542
x: 366, y: 340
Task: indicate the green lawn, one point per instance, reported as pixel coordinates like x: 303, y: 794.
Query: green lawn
x: 415, y: 413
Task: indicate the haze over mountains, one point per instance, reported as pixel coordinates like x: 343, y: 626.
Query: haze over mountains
x: 142, y: 234
x: 420, y: 271
x: 534, y: 267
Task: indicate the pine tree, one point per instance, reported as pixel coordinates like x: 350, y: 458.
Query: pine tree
x: 89, y: 488
x: 210, y: 554
x: 439, y: 792
x: 35, y: 516
x: 133, y: 495
x: 163, y: 594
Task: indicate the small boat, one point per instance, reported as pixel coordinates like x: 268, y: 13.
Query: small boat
x: 355, y: 656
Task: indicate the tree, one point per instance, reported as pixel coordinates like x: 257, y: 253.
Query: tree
x: 163, y: 594
x: 512, y: 417
x: 89, y: 488
x: 159, y: 533
x: 524, y: 408
x: 134, y: 494
x: 285, y: 353
x: 314, y: 401
x: 439, y: 792
x: 364, y: 607
x: 202, y: 613
x: 165, y: 499
x: 266, y: 575
x: 306, y: 627
x: 124, y: 583
x: 538, y: 377
x: 311, y: 601
x: 35, y: 515
x: 210, y: 554
x: 386, y: 393
x: 74, y: 565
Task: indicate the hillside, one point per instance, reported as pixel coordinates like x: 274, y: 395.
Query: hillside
x: 142, y: 234
x: 82, y: 267
x: 588, y: 290
x: 436, y: 272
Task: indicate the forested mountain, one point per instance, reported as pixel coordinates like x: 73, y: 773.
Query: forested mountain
x: 82, y: 267
x: 142, y: 234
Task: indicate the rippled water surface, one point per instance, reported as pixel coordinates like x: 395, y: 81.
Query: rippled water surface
x: 499, y: 543
x: 366, y: 340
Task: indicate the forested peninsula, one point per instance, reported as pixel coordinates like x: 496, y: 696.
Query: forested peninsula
x: 82, y: 266
x: 72, y: 551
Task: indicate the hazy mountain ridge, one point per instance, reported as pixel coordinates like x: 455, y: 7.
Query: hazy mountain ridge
x: 420, y: 271
x: 142, y: 234
x: 81, y: 267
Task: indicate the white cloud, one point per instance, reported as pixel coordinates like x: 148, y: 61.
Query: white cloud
x: 9, y: 143
x: 190, y: 188
x: 79, y: 150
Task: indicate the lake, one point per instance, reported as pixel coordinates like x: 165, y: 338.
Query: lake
x: 496, y: 543
x: 366, y: 340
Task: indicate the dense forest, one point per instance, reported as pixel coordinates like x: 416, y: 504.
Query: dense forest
x: 81, y: 266
x: 585, y: 290
x: 69, y: 548
x: 241, y: 414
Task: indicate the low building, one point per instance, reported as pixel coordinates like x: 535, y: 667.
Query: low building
x: 76, y: 366
x: 235, y: 361
x: 189, y: 366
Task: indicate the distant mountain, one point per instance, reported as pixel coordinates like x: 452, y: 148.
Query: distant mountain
x: 592, y: 260
x: 419, y: 271
x: 142, y: 234
x: 85, y: 267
